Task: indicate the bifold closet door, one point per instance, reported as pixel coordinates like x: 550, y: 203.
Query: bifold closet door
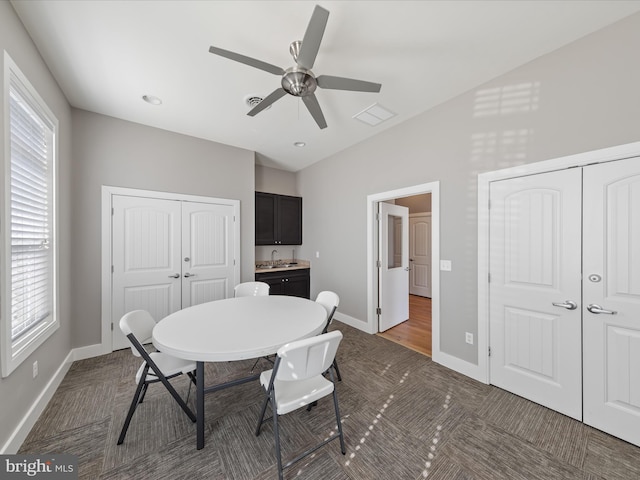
x: 146, y: 257
x: 168, y: 255
x: 611, y: 305
x: 535, y: 292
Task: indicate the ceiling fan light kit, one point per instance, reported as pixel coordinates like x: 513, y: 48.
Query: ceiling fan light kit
x: 299, y: 80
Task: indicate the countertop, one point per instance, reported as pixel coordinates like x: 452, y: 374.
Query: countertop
x: 280, y: 266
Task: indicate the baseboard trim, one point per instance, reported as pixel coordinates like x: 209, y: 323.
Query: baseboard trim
x: 460, y: 366
x: 29, y: 420
x: 352, y: 322
x: 89, y: 351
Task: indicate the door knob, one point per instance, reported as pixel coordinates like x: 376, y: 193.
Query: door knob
x: 597, y: 309
x: 177, y: 275
x: 568, y: 304
x: 187, y: 275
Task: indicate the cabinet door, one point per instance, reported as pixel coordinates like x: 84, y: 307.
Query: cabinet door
x: 266, y: 218
x: 294, y: 283
x: 297, y: 286
x: 289, y: 220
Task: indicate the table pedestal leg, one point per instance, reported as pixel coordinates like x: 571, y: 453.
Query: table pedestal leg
x: 200, y: 404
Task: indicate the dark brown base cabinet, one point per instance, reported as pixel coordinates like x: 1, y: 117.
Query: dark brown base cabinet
x: 295, y: 283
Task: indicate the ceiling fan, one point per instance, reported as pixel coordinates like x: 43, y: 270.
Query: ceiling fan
x: 299, y: 80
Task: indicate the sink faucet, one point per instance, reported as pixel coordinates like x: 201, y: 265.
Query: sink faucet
x: 272, y: 255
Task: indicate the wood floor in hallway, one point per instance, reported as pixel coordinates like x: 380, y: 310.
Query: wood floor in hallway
x: 415, y: 333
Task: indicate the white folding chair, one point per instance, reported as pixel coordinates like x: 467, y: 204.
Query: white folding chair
x: 297, y: 380
x: 138, y: 326
x: 251, y: 289
x: 330, y: 301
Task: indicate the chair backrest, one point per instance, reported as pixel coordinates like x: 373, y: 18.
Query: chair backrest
x: 330, y: 301
x: 140, y: 323
x: 251, y: 289
x: 307, y: 358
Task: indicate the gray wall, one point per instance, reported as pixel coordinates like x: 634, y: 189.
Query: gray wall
x: 582, y: 97
x: 108, y: 151
x: 18, y: 391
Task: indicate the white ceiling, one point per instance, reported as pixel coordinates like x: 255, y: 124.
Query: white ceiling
x: 107, y: 54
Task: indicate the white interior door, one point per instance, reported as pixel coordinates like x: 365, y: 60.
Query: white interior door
x: 394, y: 265
x: 207, y: 252
x: 612, y: 282
x: 420, y: 254
x: 146, y: 259
x: 535, y: 292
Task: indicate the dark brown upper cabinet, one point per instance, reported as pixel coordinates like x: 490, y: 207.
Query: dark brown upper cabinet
x: 278, y: 219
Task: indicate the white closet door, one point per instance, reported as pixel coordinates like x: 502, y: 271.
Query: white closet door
x: 535, y: 256
x: 146, y: 259
x: 612, y: 282
x: 207, y: 252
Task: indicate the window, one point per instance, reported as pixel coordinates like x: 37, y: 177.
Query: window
x: 29, y: 315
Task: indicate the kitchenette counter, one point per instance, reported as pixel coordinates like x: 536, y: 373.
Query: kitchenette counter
x: 281, y: 266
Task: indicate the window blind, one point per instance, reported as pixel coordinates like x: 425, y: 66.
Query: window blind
x: 30, y: 211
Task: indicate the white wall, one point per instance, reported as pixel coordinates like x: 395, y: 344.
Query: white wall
x: 582, y: 97
x: 19, y: 390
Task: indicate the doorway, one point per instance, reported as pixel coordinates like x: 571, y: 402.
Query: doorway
x: 421, y: 331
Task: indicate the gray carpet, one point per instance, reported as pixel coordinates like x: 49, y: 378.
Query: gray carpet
x: 404, y: 417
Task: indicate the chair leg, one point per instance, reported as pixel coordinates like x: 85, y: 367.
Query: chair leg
x: 177, y: 398
x: 132, y: 408
x: 144, y: 392
x: 264, y: 410
x: 192, y: 382
x: 254, y: 365
x: 335, y: 367
x: 276, y: 433
x: 335, y: 403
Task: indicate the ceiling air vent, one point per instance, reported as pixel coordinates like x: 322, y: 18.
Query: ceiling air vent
x: 374, y: 114
x: 253, y: 100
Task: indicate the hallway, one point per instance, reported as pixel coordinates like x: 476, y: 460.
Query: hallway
x: 414, y: 333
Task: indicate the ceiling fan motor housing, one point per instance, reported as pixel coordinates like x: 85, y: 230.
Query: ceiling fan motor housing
x: 299, y: 82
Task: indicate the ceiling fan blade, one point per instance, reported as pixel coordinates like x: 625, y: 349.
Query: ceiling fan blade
x: 267, y: 101
x: 312, y: 38
x: 314, y: 109
x: 341, y: 83
x: 252, y: 62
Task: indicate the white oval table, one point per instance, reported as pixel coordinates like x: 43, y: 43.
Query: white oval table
x: 235, y: 329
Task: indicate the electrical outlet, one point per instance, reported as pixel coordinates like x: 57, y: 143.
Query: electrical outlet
x: 35, y: 369
x: 469, y: 338
x: 317, y: 254
x: 445, y: 265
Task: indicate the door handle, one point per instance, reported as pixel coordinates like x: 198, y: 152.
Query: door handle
x: 177, y: 275
x: 187, y: 275
x: 568, y: 304
x: 597, y: 309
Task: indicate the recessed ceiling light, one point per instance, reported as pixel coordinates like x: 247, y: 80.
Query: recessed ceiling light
x: 152, y: 100
x: 299, y: 144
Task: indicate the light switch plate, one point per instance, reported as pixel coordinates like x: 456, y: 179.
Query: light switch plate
x: 445, y: 265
